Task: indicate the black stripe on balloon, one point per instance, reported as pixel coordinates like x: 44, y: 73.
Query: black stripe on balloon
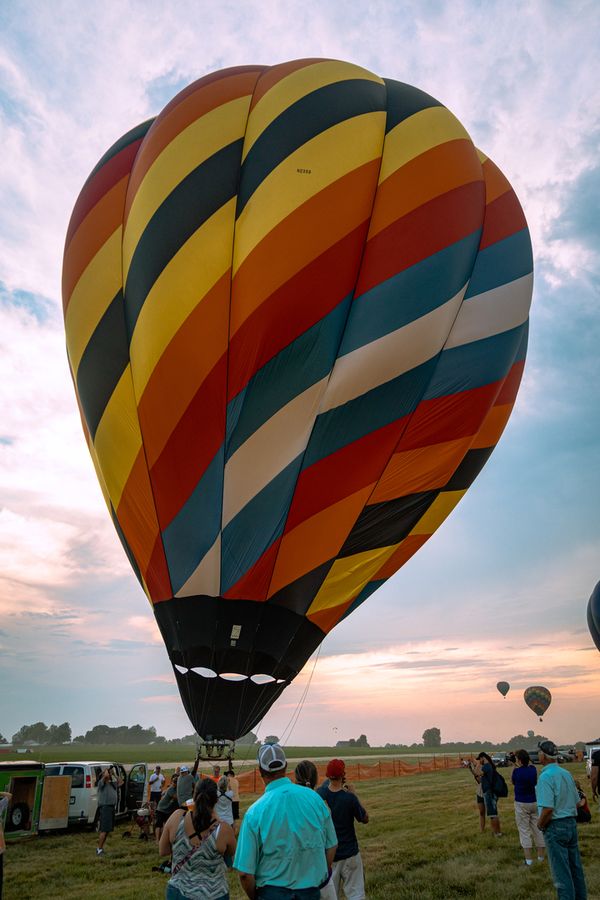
x: 134, y: 135
x: 299, y: 595
x: 195, y: 199
x: 126, y: 547
x: 404, y: 100
x: 304, y: 120
x: 470, y: 467
x: 103, y: 362
x: 384, y: 524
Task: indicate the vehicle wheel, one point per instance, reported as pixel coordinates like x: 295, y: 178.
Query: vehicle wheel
x: 18, y: 817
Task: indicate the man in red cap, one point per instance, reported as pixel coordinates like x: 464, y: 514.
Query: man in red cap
x: 345, y: 810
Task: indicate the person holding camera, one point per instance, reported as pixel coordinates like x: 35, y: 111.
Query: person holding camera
x: 346, y: 809
x: 490, y: 798
x: 108, y: 794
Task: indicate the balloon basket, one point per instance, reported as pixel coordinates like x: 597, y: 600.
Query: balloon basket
x: 210, y: 751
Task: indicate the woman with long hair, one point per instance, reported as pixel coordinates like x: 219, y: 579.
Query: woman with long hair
x: 198, y: 841
x: 524, y: 779
x: 488, y: 776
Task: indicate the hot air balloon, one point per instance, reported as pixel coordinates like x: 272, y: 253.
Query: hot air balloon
x: 503, y: 687
x: 538, y: 699
x: 593, y: 615
x: 296, y: 309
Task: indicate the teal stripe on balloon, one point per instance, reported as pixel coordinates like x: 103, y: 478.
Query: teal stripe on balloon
x: 410, y: 294
x: 501, y: 263
x: 296, y: 368
x: 193, y: 531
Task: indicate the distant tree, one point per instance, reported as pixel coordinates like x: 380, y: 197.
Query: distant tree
x: 432, y: 737
x: 3, y: 739
x: 120, y: 734
x: 36, y: 733
x: 249, y: 738
x: 271, y: 739
x: 362, y: 741
x: 80, y: 739
x: 59, y: 734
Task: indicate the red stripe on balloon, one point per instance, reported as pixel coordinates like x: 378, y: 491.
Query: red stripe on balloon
x: 421, y: 233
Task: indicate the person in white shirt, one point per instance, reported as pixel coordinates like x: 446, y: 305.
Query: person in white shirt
x: 157, y: 779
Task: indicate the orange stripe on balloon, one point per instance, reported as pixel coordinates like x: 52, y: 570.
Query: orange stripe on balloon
x: 492, y: 427
x: 317, y: 539
x: 275, y: 74
x: 495, y: 182
x: 137, y: 516
x: 306, y: 298
x: 200, y: 98
x: 102, y: 221
x: 407, y: 548
x: 157, y: 575
x: 185, y: 363
x: 435, y: 172
x: 422, y: 469
x: 303, y: 235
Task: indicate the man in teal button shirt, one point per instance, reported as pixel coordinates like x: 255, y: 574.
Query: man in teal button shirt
x: 287, y: 840
x: 557, y: 799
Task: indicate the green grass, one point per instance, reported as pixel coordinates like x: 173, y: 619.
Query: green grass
x: 158, y: 753
x: 423, y: 841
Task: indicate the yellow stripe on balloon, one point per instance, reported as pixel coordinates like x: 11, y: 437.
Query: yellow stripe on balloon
x: 420, y: 132
x: 330, y: 155
x: 439, y: 510
x: 92, y: 295
x: 196, y: 267
x: 118, y: 439
x: 188, y: 150
x: 348, y: 576
x: 294, y: 87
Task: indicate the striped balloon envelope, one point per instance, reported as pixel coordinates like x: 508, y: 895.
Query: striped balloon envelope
x: 538, y: 699
x: 296, y: 308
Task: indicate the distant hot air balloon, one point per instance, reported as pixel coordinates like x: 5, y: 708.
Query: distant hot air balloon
x: 538, y: 699
x: 296, y: 307
x: 593, y: 615
x: 503, y: 687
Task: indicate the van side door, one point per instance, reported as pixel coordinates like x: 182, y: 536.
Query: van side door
x: 137, y: 786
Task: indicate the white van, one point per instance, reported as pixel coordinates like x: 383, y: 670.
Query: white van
x: 83, y: 807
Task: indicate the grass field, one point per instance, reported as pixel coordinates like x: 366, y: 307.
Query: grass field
x: 164, y: 753
x: 422, y: 842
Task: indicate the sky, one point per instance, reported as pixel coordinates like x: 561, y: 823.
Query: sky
x: 500, y: 591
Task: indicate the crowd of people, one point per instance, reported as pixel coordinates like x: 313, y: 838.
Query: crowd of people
x: 298, y: 840
x: 547, y: 809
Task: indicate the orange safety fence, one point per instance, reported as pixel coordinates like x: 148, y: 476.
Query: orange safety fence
x: 251, y: 783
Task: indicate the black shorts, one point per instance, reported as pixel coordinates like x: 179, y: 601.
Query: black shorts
x: 161, y: 817
x: 106, y: 818
x: 235, y: 809
x: 155, y: 797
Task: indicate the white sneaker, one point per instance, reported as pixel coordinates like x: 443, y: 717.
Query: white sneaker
x: 99, y: 851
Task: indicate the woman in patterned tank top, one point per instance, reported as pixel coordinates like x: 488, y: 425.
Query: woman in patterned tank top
x: 198, y: 842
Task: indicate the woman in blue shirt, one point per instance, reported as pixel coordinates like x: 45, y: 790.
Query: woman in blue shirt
x: 524, y: 779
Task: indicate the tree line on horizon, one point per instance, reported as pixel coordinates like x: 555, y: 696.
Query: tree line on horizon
x: 39, y: 733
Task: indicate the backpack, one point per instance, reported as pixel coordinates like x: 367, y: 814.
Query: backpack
x: 499, y: 787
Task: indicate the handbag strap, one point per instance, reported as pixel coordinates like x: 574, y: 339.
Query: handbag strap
x: 182, y: 862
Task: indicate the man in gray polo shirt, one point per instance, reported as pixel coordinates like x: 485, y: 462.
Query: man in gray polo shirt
x: 108, y: 793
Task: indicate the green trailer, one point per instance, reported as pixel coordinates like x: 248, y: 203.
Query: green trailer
x: 36, y: 804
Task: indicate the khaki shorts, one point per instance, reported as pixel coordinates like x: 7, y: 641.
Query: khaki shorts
x: 526, y: 816
x: 349, y: 873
